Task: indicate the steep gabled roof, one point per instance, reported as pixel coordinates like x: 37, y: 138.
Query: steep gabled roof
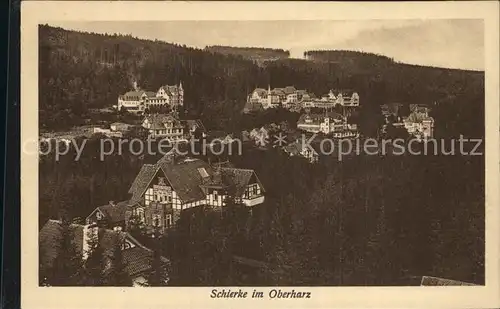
x: 135, y: 94
x: 159, y: 121
x: 240, y: 178
x: 188, y: 176
x: 171, y: 89
x: 185, y: 178
x: 289, y: 89
x: 418, y: 117
x: 142, y: 181
x: 113, y: 213
x: 435, y: 281
x: 136, y: 258
x: 260, y: 91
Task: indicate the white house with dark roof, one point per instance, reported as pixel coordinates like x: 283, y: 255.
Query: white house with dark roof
x: 300, y: 149
x: 324, y: 123
x: 162, y: 190
x: 136, y: 256
x: 164, y: 126
x: 347, y: 98
x: 287, y: 97
x: 419, y: 123
x: 137, y: 101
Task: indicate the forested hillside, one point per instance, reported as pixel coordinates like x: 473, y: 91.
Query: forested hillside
x: 256, y: 54
x: 366, y: 220
x: 79, y: 71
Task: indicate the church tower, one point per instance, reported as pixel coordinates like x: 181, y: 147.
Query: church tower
x: 269, y: 101
x: 181, y: 94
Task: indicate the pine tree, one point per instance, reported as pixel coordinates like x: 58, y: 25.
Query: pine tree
x: 95, y: 265
x: 118, y: 274
x: 66, y: 267
x: 157, y: 275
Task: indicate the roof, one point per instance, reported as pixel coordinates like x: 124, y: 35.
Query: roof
x: 278, y: 91
x: 289, y: 89
x: 170, y: 89
x: 186, y: 178
x: 418, y: 117
x: 114, y: 213
x: 239, y: 178
x: 142, y: 181
x: 133, y: 95
x: 345, y: 92
x: 318, y: 118
x: 435, y: 281
x: 419, y: 108
x: 159, y: 121
x: 260, y: 91
x: 136, y: 258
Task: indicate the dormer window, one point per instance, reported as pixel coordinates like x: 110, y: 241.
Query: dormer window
x: 98, y: 215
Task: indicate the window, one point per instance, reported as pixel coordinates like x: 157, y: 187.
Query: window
x: 168, y: 220
x: 215, y: 195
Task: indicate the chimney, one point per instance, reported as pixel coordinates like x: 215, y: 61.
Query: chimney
x: 134, y: 84
x: 90, y: 236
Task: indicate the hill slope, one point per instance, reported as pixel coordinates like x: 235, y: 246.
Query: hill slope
x: 86, y: 70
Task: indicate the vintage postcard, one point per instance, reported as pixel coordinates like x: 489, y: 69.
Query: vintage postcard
x: 274, y: 154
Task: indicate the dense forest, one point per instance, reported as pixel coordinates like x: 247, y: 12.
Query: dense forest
x: 257, y: 54
x: 374, y: 220
x: 365, y: 220
x: 80, y: 71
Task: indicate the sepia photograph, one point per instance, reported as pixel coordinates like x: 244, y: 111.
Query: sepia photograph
x: 237, y: 154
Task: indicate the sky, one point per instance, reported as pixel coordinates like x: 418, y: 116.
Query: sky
x: 457, y: 43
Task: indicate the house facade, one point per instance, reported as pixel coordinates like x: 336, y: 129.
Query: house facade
x: 173, y: 94
x: 347, y: 98
x: 299, y: 149
x: 419, y: 123
x: 137, y: 101
x: 287, y: 97
x: 110, y: 216
x: 164, y: 126
x: 161, y: 191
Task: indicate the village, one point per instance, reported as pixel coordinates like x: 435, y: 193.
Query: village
x: 175, y: 183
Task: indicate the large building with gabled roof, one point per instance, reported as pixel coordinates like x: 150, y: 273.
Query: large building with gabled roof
x: 138, y: 100
x: 161, y: 191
